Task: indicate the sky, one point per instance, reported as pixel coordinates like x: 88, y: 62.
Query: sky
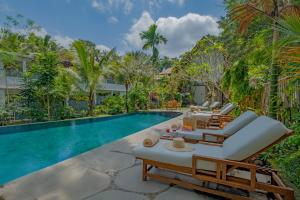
x: 117, y: 23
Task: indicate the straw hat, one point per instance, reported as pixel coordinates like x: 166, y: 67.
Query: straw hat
x: 178, y: 144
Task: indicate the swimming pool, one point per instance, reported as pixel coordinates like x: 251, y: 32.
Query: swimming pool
x: 27, y: 148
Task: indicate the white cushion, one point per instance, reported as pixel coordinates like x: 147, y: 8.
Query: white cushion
x: 161, y: 154
x: 229, y: 129
x: 198, y: 134
x: 215, y: 104
x: 202, y: 116
x: 239, y: 122
x: 205, y: 104
x: 226, y: 109
x: 257, y: 135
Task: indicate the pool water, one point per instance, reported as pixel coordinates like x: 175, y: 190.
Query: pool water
x: 25, y: 149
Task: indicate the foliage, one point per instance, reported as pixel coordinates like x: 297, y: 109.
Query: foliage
x: 111, y: 105
x: 286, y: 155
x: 245, y: 13
x: 88, y: 71
x: 152, y: 39
x: 38, y: 97
x: 138, y: 97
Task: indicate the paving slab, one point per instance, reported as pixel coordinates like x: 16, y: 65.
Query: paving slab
x: 176, y: 193
x: 131, y: 180
x: 118, y: 195
x: 74, y: 182
x: 107, y: 161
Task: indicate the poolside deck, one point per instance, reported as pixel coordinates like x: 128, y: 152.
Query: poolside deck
x: 106, y: 173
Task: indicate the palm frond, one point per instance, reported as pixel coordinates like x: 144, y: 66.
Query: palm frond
x: 245, y: 13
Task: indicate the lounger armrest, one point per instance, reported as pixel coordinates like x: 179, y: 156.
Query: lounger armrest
x: 216, y: 110
x: 219, y: 138
x: 223, y: 166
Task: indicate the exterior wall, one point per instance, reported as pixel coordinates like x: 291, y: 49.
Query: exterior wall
x: 199, y: 94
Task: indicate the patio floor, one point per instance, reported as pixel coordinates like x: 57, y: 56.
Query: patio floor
x: 109, y: 172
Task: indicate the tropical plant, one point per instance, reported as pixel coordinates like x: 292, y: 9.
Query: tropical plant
x: 152, y: 40
x: 111, y: 105
x: 89, y: 70
x: 272, y: 10
x: 290, y: 45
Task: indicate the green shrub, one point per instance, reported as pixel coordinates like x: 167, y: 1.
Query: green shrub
x: 138, y: 97
x: 111, y: 105
x: 286, y: 155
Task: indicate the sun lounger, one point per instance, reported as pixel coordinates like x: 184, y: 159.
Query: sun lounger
x: 219, y: 164
x: 208, y: 135
x: 199, y: 108
x: 204, y: 119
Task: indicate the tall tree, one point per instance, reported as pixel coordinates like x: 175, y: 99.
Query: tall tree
x: 245, y: 14
x: 152, y: 39
x: 89, y: 70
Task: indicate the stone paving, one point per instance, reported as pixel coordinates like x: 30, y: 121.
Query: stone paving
x: 109, y: 172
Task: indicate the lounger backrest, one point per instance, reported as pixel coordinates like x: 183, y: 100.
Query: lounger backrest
x: 240, y: 122
x: 205, y: 104
x: 254, y: 137
x: 215, y: 104
x: 227, y: 109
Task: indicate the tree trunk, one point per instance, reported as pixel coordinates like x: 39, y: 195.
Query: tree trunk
x: 91, y: 103
x: 126, y: 96
x: 48, y: 107
x: 275, y: 71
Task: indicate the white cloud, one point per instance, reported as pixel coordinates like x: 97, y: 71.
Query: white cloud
x: 64, y: 41
x: 41, y: 32
x: 113, y: 20
x: 98, y: 5
x: 108, y: 5
x: 102, y: 47
x: 133, y: 37
x: 182, y: 33
x: 179, y: 2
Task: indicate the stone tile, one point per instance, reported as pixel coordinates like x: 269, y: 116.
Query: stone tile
x: 131, y: 180
x: 117, y: 194
x: 122, y: 146
x: 258, y: 196
x: 107, y: 161
x: 67, y: 182
x: 189, y: 179
x: 176, y: 193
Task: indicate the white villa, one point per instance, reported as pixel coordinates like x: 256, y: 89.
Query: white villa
x: 11, y: 83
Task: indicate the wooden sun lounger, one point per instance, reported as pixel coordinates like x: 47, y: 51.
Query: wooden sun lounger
x: 218, y: 135
x: 222, y: 175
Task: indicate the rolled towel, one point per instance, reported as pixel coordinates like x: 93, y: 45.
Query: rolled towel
x: 151, y: 140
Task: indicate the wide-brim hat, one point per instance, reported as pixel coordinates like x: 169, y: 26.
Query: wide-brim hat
x: 179, y: 146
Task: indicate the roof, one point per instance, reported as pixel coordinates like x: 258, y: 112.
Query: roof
x: 167, y: 71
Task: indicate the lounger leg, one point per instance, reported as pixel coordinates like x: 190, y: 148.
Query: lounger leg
x: 144, y: 171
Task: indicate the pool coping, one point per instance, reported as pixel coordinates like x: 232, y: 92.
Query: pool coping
x: 18, y: 127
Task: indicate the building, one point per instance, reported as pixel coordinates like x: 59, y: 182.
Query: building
x: 11, y: 83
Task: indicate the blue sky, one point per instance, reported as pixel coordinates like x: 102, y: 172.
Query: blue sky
x: 116, y: 23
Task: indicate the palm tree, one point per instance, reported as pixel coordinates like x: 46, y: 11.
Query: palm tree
x: 290, y: 46
x: 88, y: 72
x: 245, y: 14
x: 152, y: 39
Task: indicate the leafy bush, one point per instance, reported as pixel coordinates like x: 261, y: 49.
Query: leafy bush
x: 286, y: 155
x: 111, y: 105
x: 66, y: 112
x: 138, y: 97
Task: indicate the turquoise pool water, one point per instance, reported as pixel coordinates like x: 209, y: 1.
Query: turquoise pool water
x: 25, y: 149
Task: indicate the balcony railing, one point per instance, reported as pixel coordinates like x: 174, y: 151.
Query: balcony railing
x: 11, y: 82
